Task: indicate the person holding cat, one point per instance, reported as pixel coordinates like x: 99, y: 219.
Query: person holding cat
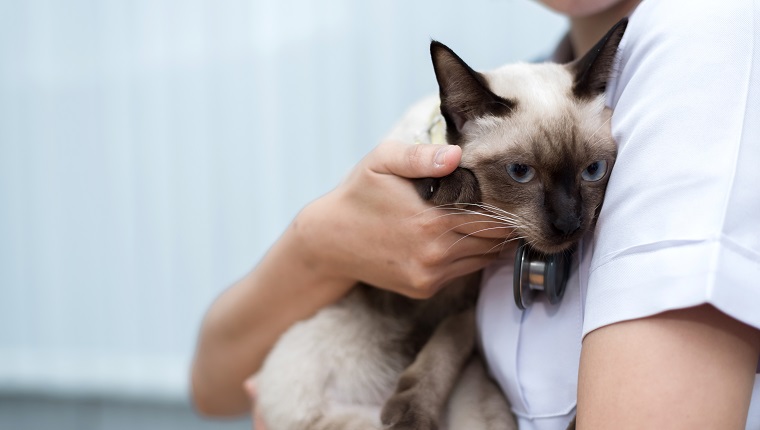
x: 659, y: 325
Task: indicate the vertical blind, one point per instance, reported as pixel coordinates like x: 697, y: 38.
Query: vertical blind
x: 152, y: 150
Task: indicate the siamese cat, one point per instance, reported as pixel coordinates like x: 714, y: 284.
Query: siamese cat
x: 536, y: 155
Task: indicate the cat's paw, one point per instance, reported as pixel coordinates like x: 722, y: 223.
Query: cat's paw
x: 405, y: 411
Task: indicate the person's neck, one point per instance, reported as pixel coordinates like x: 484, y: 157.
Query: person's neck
x: 586, y: 31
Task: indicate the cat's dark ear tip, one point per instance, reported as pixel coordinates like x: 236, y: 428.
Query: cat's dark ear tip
x: 593, y: 69
x: 439, y: 53
x: 617, y: 31
x: 620, y: 27
x: 436, y: 46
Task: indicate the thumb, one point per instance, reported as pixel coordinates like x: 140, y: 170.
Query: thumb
x: 250, y: 387
x: 414, y: 160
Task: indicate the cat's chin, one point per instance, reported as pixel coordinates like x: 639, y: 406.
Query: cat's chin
x: 552, y: 247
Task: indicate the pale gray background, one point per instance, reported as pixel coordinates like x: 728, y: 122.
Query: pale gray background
x: 152, y: 150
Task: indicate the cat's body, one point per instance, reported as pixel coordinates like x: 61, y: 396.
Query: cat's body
x: 331, y: 374
x: 536, y: 154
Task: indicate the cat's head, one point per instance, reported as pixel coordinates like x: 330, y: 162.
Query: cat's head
x: 536, y: 141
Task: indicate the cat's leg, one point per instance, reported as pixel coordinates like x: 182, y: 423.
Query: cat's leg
x: 477, y: 403
x: 425, y: 386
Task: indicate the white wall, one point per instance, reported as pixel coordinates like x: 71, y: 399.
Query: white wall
x: 151, y: 151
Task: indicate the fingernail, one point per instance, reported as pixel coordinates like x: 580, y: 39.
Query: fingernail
x: 440, y: 156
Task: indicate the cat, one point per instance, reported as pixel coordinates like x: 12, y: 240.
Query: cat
x: 536, y: 155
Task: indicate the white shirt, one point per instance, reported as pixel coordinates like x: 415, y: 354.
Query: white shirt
x: 680, y: 224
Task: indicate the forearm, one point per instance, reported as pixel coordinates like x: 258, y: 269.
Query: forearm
x: 244, y: 323
x: 684, y: 369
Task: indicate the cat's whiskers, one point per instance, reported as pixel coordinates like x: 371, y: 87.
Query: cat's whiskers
x: 492, y: 216
x: 503, y: 243
x: 489, y: 214
x: 599, y: 141
x: 526, y: 224
x: 499, y: 211
x: 511, y: 225
x: 495, y: 209
x: 491, y: 219
x: 523, y: 225
x: 501, y: 223
x: 463, y: 211
x: 597, y: 130
x: 468, y: 235
x: 531, y: 242
x: 491, y: 210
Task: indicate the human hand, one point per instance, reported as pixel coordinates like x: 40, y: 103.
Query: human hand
x: 375, y: 228
x: 250, y: 387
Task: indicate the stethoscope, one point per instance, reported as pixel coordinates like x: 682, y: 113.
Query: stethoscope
x: 535, y: 271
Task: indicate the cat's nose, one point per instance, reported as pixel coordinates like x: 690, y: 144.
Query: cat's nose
x: 567, y: 225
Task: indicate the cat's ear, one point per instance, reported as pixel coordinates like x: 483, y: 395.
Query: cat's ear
x: 593, y: 70
x: 464, y: 92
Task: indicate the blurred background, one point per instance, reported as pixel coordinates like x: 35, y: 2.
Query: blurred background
x: 152, y: 150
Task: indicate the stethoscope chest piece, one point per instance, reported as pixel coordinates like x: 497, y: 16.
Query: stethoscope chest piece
x: 535, y: 271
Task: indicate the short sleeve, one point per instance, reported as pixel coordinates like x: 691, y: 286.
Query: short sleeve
x: 680, y: 224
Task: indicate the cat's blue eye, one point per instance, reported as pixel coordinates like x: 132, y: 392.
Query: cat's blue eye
x: 595, y: 171
x: 521, y: 173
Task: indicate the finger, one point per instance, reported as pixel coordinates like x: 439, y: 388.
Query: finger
x: 468, y: 221
x: 457, y: 268
x: 470, y: 246
x: 465, y: 266
x: 258, y: 422
x: 250, y: 387
x: 414, y: 160
x: 484, y: 229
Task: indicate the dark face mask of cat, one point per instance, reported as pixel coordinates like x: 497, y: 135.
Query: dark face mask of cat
x: 536, y: 155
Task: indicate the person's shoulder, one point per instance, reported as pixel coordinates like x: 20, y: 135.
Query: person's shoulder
x: 688, y: 14
x: 683, y: 22
x: 674, y: 47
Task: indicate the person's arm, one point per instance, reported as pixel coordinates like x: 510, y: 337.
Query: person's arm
x: 373, y: 227
x: 683, y: 369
